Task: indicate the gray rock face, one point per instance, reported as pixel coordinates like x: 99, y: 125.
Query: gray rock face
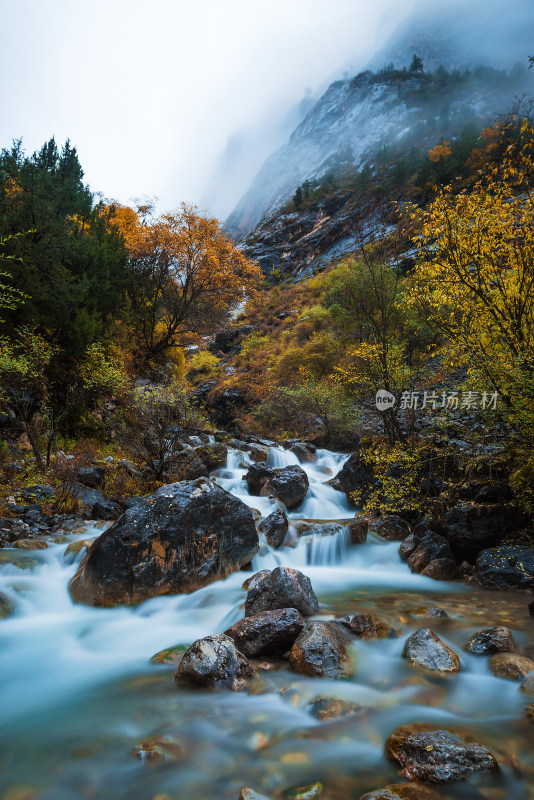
x: 506, y: 567
x: 267, y: 633
x: 216, y: 663
x: 321, y: 650
x: 490, y: 641
x: 282, y: 588
x: 425, y: 649
x: 438, y: 756
x: 275, y: 527
x: 182, y: 537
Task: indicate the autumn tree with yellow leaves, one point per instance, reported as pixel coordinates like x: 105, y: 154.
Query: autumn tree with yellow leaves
x: 474, y: 281
x: 185, y: 275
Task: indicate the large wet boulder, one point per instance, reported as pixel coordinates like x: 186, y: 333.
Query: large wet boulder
x: 490, y: 641
x: 425, y: 649
x: 256, y: 478
x: 472, y: 527
x: 214, y: 662
x: 506, y: 567
x: 442, y: 569
x: 282, y: 588
x: 355, y: 475
x: 304, y: 452
x: 511, y: 666
x: 366, y: 626
x: 288, y: 484
x: 275, y: 527
x: 390, y: 527
x: 403, y: 791
x: 527, y: 687
x: 182, y: 537
x: 431, y: 546
x: 267, y: 633
x: 321, y: 650
x: 437, y: 756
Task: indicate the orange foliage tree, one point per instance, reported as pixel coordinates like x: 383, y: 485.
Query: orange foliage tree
x: 185, y: 274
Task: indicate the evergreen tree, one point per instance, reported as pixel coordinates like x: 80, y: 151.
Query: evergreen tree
x: 417, y: 67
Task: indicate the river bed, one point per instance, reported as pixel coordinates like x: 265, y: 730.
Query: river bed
x: 78, y: 692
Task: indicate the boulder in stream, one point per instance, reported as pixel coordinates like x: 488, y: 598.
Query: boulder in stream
x: 275, y: 527
x: 366, y: 626
x: 437, y: 756
x: 256, y: 478
x: 267, y: 633
x: 288, y: 484
x: 511, y: 666
x: 282, y: 588
x: 214, y: 662
x: 354, y: 475
x: 431, y: 546
x: 425, y: 649
x: 322, y: 650
x: 390, y: 527
x: 490, y: 641
x: 181, y: 538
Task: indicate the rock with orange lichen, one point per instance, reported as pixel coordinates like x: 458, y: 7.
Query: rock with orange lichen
x: 181, y: 538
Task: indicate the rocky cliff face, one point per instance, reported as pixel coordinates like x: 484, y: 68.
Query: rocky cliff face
x: 357, y: 117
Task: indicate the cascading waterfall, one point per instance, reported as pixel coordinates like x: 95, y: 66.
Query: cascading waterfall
x: 70, y: 673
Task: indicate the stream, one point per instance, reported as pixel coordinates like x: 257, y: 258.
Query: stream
x: 78, y: 691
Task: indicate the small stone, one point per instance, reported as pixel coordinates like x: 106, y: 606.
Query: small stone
x: 30, y: 544
x: 215, y: 662
x: 490, y: 641
x: 511, y: 666
x: 425, y: 649
x: 247, y: 793
x: 6, y: 606
x: 527, y: 687
x: 327, y: 708
x: 171, y: 655
x: 255, y: 579
x: 366, y: 626
x: 403, y: 791
x: 311, y: 792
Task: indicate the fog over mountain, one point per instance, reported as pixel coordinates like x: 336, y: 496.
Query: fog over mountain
x: 356, y: 116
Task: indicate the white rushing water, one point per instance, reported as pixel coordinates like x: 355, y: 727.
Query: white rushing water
x: 53, y: 652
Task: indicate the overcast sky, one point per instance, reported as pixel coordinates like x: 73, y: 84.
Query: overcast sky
x: 150, y: 91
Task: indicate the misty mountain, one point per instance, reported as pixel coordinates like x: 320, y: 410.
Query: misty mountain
x: 357, y: 117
